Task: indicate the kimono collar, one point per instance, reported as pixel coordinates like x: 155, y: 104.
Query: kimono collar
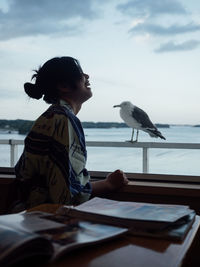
x: 67, y: 105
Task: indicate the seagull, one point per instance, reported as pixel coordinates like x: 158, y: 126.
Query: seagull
x: 137, y: 118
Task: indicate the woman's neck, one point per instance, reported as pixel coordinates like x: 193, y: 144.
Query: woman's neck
x: 75, y: 106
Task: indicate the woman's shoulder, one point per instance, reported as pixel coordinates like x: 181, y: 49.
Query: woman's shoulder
x: 54, y: 110
x: 54, y: 115
x: 53, y: 119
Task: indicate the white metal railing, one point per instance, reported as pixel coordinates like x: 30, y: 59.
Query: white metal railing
x: 145, y: 146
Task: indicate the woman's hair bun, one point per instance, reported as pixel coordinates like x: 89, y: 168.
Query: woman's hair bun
x: 33, y: 90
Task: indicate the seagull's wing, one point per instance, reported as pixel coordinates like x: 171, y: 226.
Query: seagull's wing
x: 141, y: 116
x: 147, y: 125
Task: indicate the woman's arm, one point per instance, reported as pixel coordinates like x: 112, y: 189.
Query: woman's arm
x: 112, y: 182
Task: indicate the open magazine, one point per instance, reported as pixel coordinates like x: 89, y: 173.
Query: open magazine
x: 39, y: 236
x: 156, y: 220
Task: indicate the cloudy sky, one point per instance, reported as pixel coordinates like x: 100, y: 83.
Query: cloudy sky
x: 144, y: 51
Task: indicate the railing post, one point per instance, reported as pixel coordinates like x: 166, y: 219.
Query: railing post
x: 13, y: 152
x: 145, y: 160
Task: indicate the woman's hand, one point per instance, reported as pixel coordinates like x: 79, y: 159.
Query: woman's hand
x: 116, y: 180
x: 113, y: 182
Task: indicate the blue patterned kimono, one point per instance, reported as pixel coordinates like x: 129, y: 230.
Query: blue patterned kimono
x: 51, y: 168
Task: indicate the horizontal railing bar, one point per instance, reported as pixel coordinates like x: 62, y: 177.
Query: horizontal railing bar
x: 144, y: 145
x: 122, y: 144
x: 11, y: 142
x: 4, y: 142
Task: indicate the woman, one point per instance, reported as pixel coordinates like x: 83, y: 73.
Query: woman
x: 51, y: 168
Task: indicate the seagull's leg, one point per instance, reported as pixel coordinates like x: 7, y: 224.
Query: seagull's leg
x: 132, y: 135
x: 137, y: 135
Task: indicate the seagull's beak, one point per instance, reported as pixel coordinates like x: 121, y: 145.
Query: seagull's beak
x: 116, y: 106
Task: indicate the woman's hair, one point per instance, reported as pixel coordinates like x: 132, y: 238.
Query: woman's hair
x: 58, y: 70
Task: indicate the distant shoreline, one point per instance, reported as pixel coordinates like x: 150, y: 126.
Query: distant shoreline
x: 24, y: 126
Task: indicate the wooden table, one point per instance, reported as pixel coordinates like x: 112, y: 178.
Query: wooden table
x: 134, y: 251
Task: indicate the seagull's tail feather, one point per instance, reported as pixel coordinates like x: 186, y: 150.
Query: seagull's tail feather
x: 155, y: 133
x: 161, y: 136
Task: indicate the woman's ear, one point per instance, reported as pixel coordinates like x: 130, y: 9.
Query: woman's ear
x: 63, y: 87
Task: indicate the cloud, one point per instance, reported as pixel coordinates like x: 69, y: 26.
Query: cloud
x: 156, y: 18
x: 152, y: 8
x: 173, y: 47
x: 155, y: 29
x: 34, y: 17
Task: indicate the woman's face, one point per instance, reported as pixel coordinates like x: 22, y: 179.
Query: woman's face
x: 83, y: 90
x: 78, y: 94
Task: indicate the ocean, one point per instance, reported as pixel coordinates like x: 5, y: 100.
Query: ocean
x: 165, y: 161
